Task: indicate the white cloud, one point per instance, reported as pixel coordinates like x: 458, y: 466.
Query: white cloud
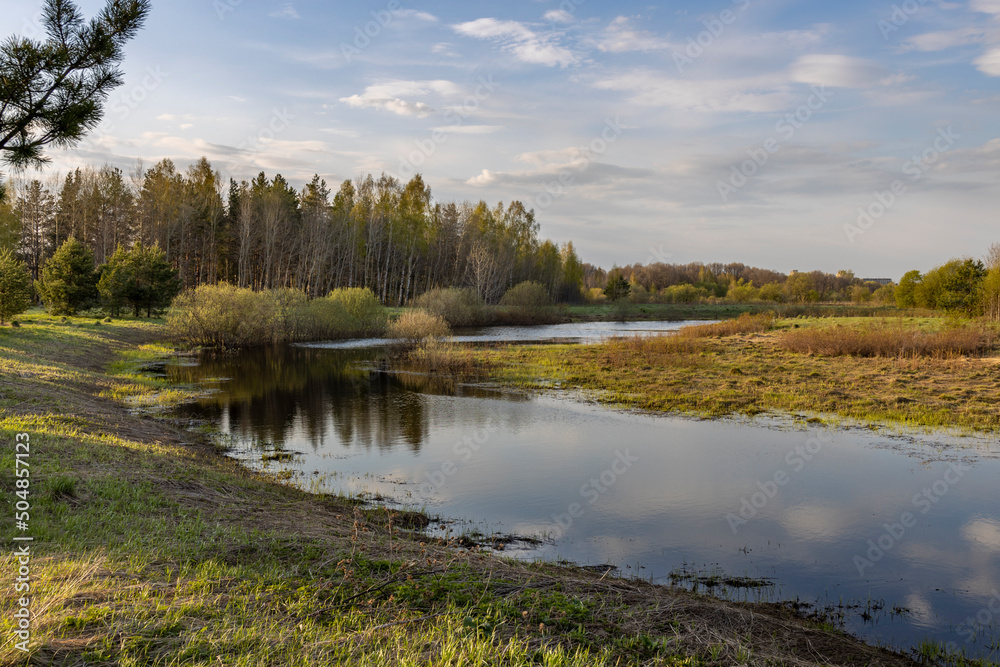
x: 395, y: 105
x: 444, y: 49
x: 413, y: 13
x: 754, y: 94
x: 620, y: 37
x: 519, y: 40
x: 939, y: 41
x: 558, y: 16
x: 286, y: 12
x: 837, y: 70
x: 985, y: 6
x: 989, y: 62
x: 469, y: 129
x: 390, y: 95
x: 579, y: 163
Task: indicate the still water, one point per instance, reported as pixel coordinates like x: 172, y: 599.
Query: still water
x: 898, y: 536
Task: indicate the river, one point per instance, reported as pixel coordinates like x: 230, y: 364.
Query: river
x: 894, y: 536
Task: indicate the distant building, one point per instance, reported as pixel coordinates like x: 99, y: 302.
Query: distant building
x: 877, y: 281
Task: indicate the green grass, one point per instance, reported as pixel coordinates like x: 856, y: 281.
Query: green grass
x: 151, y: 549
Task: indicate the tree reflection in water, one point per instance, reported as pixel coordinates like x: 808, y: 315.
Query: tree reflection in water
x: 269, y: 396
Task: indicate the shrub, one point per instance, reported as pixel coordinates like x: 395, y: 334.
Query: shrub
x: 683, y: 294
x: 368, y: 315
x: 416, y: 325
x: 528, y: 301
x: 742, y: 293
x: 638, y: 294
x: 227, y: 316
x: 621, y: 309
x: 222, y: 316
x: 15, y: 286
x: 596, y: 295
x: 459, y: 307
x: 771, y: 292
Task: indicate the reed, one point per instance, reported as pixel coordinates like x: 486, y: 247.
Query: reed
x: 891, y: 340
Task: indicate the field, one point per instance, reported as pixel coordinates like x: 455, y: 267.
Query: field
x: 152, y: 548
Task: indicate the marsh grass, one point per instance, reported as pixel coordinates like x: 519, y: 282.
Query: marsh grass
x: 438, y: 356
x: 892, y: 339
x: 700, y: 372
x: 746, y: 323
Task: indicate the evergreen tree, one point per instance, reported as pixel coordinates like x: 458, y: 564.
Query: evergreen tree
x: 69, y: 282
x: 53, y: 91
x: 155, y: 282
x: 116, y: 282
x: 10, y: 221
x: 15, y: 286
x: 572, y: 274
x: 617, y: 287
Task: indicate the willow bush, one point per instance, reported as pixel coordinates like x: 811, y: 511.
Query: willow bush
x: 228, y: 317
x: 459, y: 307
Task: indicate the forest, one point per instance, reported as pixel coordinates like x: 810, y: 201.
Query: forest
x: 395, y: 239
x: 380, y: 233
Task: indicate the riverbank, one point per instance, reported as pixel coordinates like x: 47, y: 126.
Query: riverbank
x: 150, y: 547
x: 754, y: 372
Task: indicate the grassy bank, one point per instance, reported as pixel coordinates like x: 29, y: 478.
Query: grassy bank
x: 905, y: 371
x: 151, y: 548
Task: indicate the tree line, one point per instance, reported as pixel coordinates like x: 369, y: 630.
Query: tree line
x: 963, y: 285
x: 381, y: 233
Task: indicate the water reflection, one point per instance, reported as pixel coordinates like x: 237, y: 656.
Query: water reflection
x: 286, y: 397
x: 656, y: 496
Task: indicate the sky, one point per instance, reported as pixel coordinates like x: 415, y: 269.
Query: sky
x: 785, y: 134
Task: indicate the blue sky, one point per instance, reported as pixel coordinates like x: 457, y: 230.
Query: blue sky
x: 780, y: 133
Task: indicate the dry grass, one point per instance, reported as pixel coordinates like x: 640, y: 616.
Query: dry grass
x: 755, y: 373
x: 746, y: 323
x: 891, y: 340
x: 416, y: 325
x: 435, y: 356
